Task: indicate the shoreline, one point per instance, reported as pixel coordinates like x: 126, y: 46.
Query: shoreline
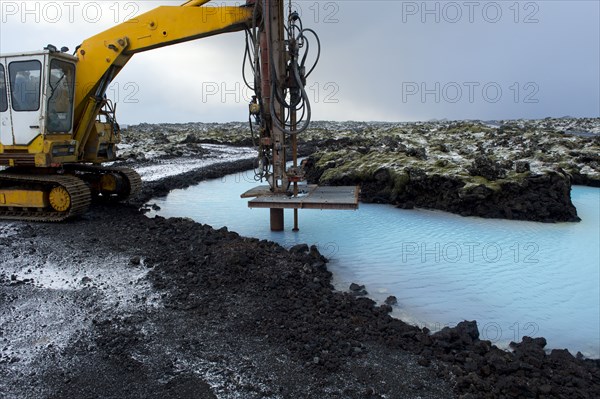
x: 554, y: 338
x: 341, y: 288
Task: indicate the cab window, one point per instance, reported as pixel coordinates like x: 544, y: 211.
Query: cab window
x: 25, y: 85
x: 60, y: 97
x: 3, y: 93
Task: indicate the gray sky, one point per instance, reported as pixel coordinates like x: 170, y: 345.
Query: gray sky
x: 381, y: 60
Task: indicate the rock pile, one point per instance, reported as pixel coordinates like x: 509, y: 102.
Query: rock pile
x: 514, y: 170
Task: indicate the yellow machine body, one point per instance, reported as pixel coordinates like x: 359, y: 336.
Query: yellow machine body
x: 55, y: 119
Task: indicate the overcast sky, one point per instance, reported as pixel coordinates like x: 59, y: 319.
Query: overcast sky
x: 381, y: 60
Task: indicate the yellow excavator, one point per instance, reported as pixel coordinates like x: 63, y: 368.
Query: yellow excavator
x: 57, y: 126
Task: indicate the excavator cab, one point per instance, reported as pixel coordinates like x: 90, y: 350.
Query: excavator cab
x: 36, y: 100
x: 52, y: 174
x: 37, y: 119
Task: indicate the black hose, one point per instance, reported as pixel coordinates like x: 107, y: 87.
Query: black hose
x: 246, y: 57
x: 299, y: 100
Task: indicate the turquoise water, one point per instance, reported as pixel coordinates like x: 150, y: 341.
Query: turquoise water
x: 514, y: 278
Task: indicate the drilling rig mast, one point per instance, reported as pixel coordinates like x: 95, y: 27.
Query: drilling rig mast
x: 282, y: 111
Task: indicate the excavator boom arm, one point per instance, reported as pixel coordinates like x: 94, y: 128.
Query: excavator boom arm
x: 101, y: 57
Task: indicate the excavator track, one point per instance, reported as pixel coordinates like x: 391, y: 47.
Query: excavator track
x: 72, y: 193
x: 133, y: 178
x: 91, y: 173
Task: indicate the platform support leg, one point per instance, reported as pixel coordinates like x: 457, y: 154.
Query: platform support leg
x: 295, y: 220
x: 276, y: 219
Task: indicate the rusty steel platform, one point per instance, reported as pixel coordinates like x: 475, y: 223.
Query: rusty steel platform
x: 309, y: 196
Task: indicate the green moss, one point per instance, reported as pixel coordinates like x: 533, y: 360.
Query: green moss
x: 467, y: 127
x: 400, y: 180
x: 475, y: 181
x: 336, y: 157
x: 352, y: 165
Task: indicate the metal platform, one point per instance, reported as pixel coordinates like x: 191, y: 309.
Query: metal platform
x: 309, y: 196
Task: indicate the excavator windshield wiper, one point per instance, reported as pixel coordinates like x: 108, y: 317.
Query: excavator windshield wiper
x: 53, y: 88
